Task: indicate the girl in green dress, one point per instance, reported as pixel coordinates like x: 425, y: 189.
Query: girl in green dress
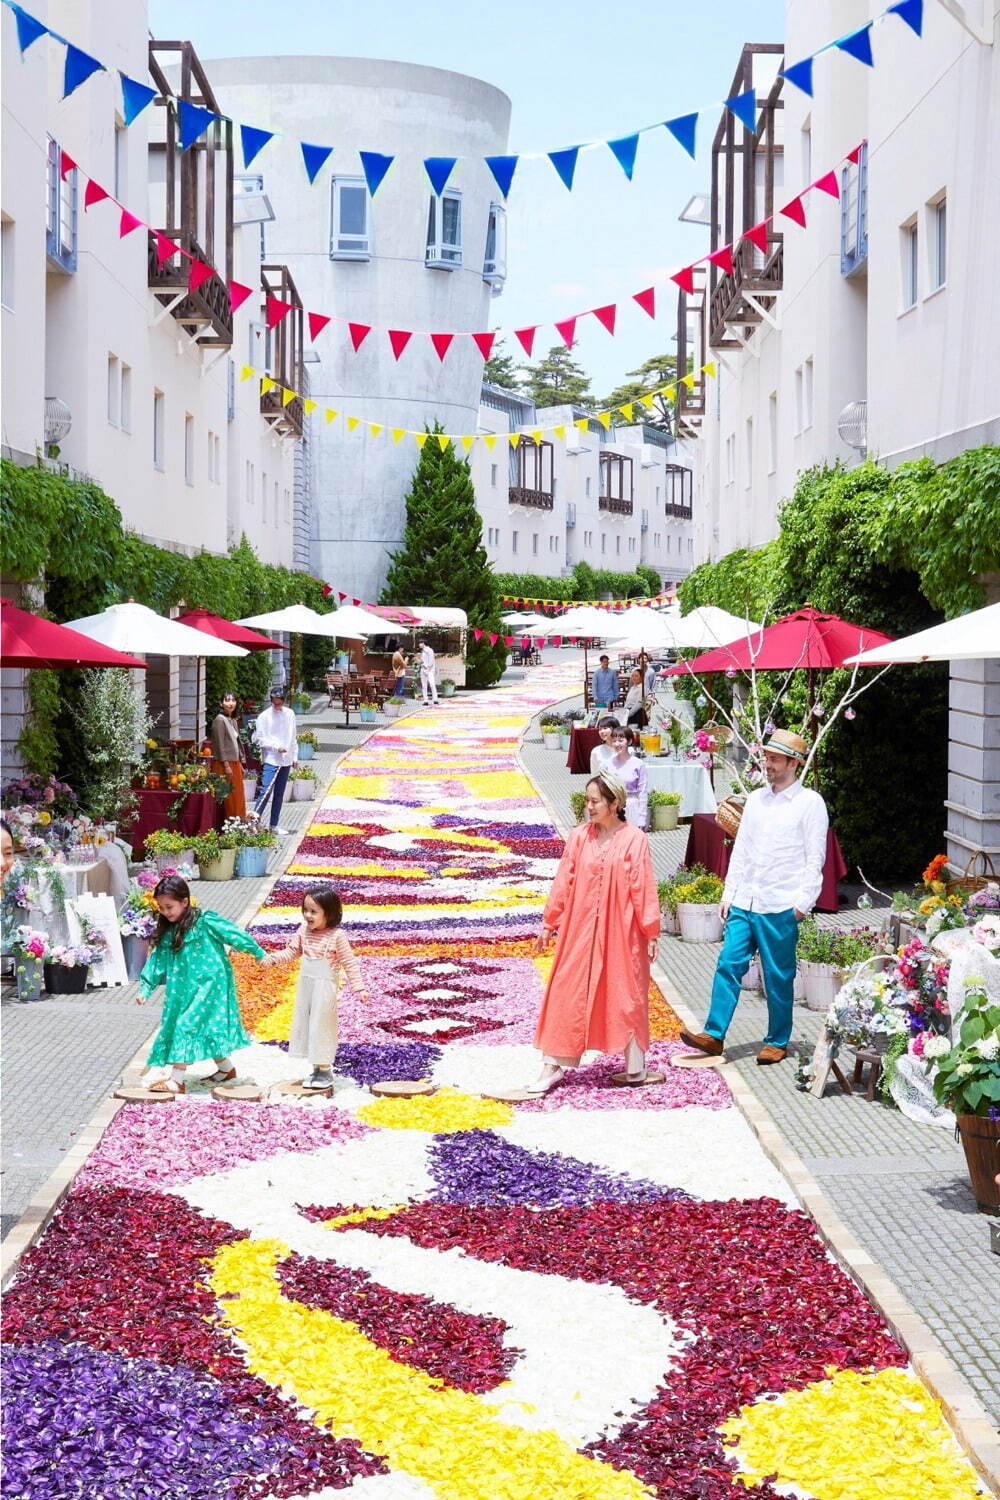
x: 201, y: 1016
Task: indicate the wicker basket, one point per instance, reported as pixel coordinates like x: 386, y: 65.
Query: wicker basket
x: 721, y: 733
x: 968, y: 882
x: 728, y: 815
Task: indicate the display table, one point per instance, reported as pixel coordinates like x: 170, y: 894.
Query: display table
x: 581, y: 742
x: 707, y: 845
x: 200, y: 813
x: 690, y: 778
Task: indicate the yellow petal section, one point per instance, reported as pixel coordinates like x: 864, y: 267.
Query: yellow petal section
x: 873, y: 1436
x: 451, y: 1440
x: 444, y: 1113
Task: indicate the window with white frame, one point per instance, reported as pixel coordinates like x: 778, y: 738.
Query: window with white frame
x: 748, y: 454
x: 669, y: 539
x: 159, y: 413
x: 7, y: 262
x: 350, y: 222
x: 909, y: 264
x: 493, y: 475
x: 210, y: 457
x: 248, y: 477
x: 495, y: 258
x: 534, y: 544
x: 587, y: 487
x: 513, y: 541
x: 61, y: 211
x: 114, y: 390
x: 631, y: 544
x: 125, y: 400
x: 263, y: 498
x: 121, y: 161
x: 937, y: 241
x: 731, y: 458
x: 772, y: 432
x: 798, y: 400
x: 618, y: 546
x: 604, y: 541
x: 656, y: 541
x: 806, y: 148
x: 444, y: 230
x: 288, y: 505
x: 251, y: 205
x: 807, y: 393
x: 854, y: 213
x: 188, y: 448
x: 275, y: 498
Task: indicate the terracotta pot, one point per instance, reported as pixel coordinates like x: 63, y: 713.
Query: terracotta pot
x: 981, y: 1144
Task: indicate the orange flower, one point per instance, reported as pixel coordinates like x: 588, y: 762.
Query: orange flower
x: 934, y: 869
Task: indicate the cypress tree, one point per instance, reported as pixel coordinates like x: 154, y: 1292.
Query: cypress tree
x: 443, y: 561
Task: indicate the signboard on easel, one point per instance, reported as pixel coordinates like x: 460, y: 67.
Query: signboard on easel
x: 99, y: 911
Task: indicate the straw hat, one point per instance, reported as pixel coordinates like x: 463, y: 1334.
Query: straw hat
x: 614, y: 785
x: 786, y: 743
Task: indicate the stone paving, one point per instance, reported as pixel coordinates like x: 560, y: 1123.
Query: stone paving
x: 901, y: 1187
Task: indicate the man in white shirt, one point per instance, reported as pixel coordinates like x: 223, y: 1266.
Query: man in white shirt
x: 428, y: 674
x: 775, y: 875
x: 279, y: 750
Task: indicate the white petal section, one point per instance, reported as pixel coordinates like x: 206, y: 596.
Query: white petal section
x: 484, y: 1069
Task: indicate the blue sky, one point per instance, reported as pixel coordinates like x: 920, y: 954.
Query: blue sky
x: 573, y: 72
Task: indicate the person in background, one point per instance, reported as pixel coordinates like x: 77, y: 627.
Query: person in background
x: 775, y: 875
x: 600, y: 756
x: 428, y: 674
x: 227, y: 756
x: 279, y: 750
x: 399, y: 672
x: 649, y: 682
x: 633, y: 711
x: 606, y: 689
x: 631, y: 772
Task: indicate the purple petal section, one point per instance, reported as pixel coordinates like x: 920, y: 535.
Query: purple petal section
x: 369, y: 1063
x: 479, y: 1167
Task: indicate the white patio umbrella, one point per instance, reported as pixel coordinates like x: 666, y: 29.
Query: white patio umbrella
x: 518, y: 620
x: 710, y: 626
x: 298, y: 619
x: 356, y: 624
x: 970, y: 637
x: 642, y: 630
x: 142, y: 632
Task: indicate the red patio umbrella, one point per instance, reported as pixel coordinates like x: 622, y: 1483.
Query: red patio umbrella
x: 806, y: 638
x: 28, y: 640
x: 227, y: 630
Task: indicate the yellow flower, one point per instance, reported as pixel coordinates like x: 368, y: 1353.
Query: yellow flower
x: 151, y: 745
x: 44, y: 817
x: 929, y: 904
x: 444, y: 1113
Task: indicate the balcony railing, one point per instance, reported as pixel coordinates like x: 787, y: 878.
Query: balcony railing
x: 615, y: 505
x: 284, y: 351
x: 680, y: 490
x: 536, y: 499
x: 730, y: 305
x: 209, y: 308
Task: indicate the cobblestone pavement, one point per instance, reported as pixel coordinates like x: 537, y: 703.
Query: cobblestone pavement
x: 64, y: 1053
x: 900, y: 1187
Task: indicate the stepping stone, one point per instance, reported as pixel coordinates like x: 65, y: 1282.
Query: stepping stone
x: 404, y: 1088
x: 508, y: 1096
x: 251, y: 1092
x: 293, y: 1088
x: 622, y: 1080
x: 698, y: 1060
x: 146, y: 1096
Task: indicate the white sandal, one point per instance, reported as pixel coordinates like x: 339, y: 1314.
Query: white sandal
x: 543, y: 1084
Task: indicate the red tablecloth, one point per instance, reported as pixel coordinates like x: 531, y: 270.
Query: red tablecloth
x: 199, y: 813
x: 707, y: 845
x: 581, y: 742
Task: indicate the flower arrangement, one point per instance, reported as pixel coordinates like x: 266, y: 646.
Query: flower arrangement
x: 87, y: 951
x: 304, y: 773
x: 248, y: 833
x: 966, y: 1075
x: 684, y: 875
x: 987, y: 932
x: 664, y: 799
x: 211, y: 845
x: 868, y: 1011
x: 933, y: 875
x: 706, y: 890
x: 308, y: 737
x: 705, y: 742
x: 941, y: 914
x: 167, y: 841
x: 55, y: 797
x: 137, y: 917
x: 842, y: 949
x: 30, y: 942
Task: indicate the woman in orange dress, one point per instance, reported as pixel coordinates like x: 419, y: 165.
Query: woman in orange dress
x: 604, y: 907
x: 227, y: 756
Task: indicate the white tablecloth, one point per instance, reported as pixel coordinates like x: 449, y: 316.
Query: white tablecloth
x: 684, y: 776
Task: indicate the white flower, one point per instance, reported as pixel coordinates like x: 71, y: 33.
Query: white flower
x: 938, y: 1046
x: 963, y: 1070
x: 989, y: 1047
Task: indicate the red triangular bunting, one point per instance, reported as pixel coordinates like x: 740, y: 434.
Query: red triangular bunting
x: 723, y: 258
x: 317, y: 322
x: 493, y: 639
x: 341, y: 596
x: 200, y: 273
x: 796, y: 212
x: 442, y: 343
x: 646, y: 300
x: 93, y: 193
x: 359, y: 332
x: 127, y: 223
x: 238, y: 294
x: 685, y: 279
x: 66, y: 165
x: 758, y: 236
x: 276, y: 310
x: 399, y: 338
x: 526, y: 338
x: 508, y: 640
x: 852, y: 156
x: 828, y: 184
x: 356, y: 603
x: 555, y: 640
x: 478, y: 634
x: 566, y: 330
x: 484, y: 343
x: 165, y: 248
x: 606, y: 315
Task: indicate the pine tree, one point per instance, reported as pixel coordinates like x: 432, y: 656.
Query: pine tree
x: 651, y: 374
x: 500, y: 368
x: 557, y: 380
x: 443, y: 561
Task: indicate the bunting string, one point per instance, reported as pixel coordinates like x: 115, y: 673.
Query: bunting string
x: 194, y: 120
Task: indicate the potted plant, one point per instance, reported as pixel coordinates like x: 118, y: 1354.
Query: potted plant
x: 302, y: 784
x: 137, y: 921
x: 391, y: 707
x: 825, y: 958
x: 676, y: 732
x: 216, y: 855
x: 446, y: 687
x: 577, y: 801
x: 67, y: 965
x: 308, y: 744
x: 170, y: 850
x: 966, y: 1080
x: 253, y: 841
x: 668, y: 907
x: 367, y: 712
x: 698, y: 909
x: 301, y: 703
x: 664, y: 810
x: 565, y: 733
x: 29, y: 946
x: 551, y: 736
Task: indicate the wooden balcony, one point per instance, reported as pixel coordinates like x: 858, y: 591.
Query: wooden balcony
x: 284, y: 349
x: 680, y: 491
x: 692, y: 350
x: 532, y: 482
x: 740, y: 301
x: 535, y: 499
x: 615, y: 505
x: 206, y: 314
x: 617, y: 484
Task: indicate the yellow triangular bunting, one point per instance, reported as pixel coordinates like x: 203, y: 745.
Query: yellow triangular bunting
x: 490, y: 438
x: 467, y: 443
x: 443, y: 440
x: 330, y: 415
x: 287, y: 397
x: 536, y: 434
x: 647, y: 402
x: 560, y: 432
x: 266, y: 384
x: 353, y: 422
x: 604, y: 417
x: 709, y: 370
x: 513, y: 439
x: 308, y: 406
x: 582, y: 422
x: 398, y: 433
x: 421, y: 438
x: 688, y: 380
x: 374, y: 428
x: 247, y: 371
x: 626, y: 410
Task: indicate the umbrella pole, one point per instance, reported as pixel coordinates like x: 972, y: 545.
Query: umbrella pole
x: 586, y: 679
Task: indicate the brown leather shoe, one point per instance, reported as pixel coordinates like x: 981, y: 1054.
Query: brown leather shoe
x: 702, y: 1042
x: 771, y: 1055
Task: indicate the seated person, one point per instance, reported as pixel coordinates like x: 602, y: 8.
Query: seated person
x: 601, y: 754
x: 633, y: 712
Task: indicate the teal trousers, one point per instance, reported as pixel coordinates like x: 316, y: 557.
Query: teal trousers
x: 774, y: 937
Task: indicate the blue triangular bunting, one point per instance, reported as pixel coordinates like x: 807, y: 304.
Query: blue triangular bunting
x: 801, y: 74
x: 253, y: 141
x: 314, y: 158
x: 135, y: 97
x: 910, y: 11
x: 744, y: 107
x: 28, y: 29
x: 503, y: 169
x: 683, y: 130
x: 439, y: 169
x: 858, y: 45
x: 565, y: 163
x: 79, y: 67
x: 375, y: 165
x: 624, y: 150
x: 193, y: 122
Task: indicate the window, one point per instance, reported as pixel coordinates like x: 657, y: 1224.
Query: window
x: 251, y: 205
x: 669, y: 539
x: 61, y: 212
x: 731, y: 458
x: 657, y: 496
x: 213, y: 467
x: 350, y: 227
x: 249, y: 478
x: 937, y: 241
x: 748, y: 455
x: 772, y: 432
x: 604, y: 542
x: 121, y: 162
x: 275, y: 498
x: 555, y: 544
x: 631, y: 544
x: 495, y: 258
x: 158, y: 418
x: 798, y: 400
x: 908, y: 264
x: 263, y: 499
x: 188, y: 448
x: 444, y: 230
x: 617, y: 483
x: 493, y: 475
x: 114, y: 390
x: 656, y: 540
x: 854, y: 214
x: 7, y: 262
x: 288, y: 505
x: 513, y: 541
x: 125, y: 404
x: 806, y: 143
x: 807, y: 393
x: 618, y: 546
x: 534, y: 544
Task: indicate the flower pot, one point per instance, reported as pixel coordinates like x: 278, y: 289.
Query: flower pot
x: 820, y: 983
x: 669, y: 922
x: 249, y: 790
x: 564, y: 741
x: 29, y: 977
x: 798, y: 989
x: 390, y: 710
x: 699, y: 922
x: 174, y: 861
x: 300, y: 790
x: 307, y: 751
x: 222, y: 868
x: 447, y: 690
x: 136, y: 951
x: 551, y: 739
x: 981, y: 1144
x: 251, y: 862
x: 664, y: 818
x: 65, y: 981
